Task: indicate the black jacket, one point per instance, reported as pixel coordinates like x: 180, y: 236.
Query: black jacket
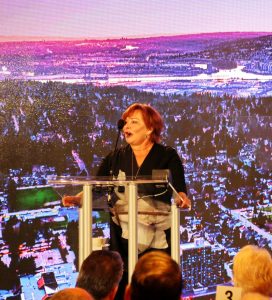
x: 159, y: 157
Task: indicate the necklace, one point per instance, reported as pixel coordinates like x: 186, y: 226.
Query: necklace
x: 132, y: 164
x: 147, y: 149
x: 138, y: 171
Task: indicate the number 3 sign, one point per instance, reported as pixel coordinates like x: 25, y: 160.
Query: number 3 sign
x: 228, y: 293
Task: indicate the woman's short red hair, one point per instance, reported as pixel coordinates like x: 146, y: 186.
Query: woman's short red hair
x: 152, y: 119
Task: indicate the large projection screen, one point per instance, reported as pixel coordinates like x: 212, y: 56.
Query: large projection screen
x: 68, y: 69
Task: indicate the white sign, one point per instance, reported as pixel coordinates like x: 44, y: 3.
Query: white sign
x: 228, y: 293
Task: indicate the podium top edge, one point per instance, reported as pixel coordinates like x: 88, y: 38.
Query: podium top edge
x: 104, y: 180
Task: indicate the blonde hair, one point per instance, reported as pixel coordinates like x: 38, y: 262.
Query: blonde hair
x: 254, y: 296
x: 252, y: 270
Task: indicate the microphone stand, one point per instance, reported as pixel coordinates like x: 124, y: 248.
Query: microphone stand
x: 120, y: 124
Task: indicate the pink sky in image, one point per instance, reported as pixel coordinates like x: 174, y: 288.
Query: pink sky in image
x: 122, y: 18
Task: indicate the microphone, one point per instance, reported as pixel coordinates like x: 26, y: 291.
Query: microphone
x: 120, y: 124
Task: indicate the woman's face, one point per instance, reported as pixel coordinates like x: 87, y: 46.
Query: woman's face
x: 135, y: 130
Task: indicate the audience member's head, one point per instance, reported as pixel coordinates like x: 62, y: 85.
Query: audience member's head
x: 156, y: 276
x: 72, y: 294
x: 254, y: 296
x: 101, y: 273
x: 252, y: 270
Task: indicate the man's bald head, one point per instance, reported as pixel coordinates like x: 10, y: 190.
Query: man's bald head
x: 72, y: 294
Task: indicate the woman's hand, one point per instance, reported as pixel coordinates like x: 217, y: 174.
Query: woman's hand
x: 72, y: 200
x: 183, y: 201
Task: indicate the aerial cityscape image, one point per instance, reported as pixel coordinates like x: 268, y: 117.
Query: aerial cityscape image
x: 67, y: 72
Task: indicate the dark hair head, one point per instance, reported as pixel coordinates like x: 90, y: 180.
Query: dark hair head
x: 72, y: 294
x: 100, y: 272
x: 152, y: 119
x: 156, y: 276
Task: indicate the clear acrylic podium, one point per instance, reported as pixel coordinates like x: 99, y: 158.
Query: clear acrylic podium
x: 131, y: 188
